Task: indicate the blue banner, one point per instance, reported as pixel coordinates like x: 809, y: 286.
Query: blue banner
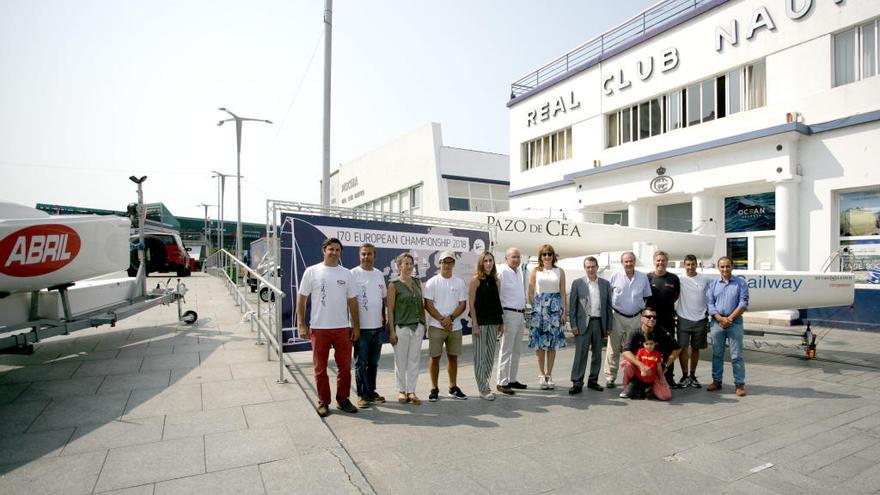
x: 750, y: 212
x: 302, y: 235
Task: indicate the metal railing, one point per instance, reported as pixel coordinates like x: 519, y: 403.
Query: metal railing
x: 608, y: 42
x: 266, y: 322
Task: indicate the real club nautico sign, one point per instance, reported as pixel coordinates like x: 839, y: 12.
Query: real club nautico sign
x: 562, y: 104
x: 620, y: 79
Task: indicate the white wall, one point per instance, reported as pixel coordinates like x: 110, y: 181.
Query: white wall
x: 834, y: 161
x: 408, y: 160
x: 417, y: 157
x: 473, y: 163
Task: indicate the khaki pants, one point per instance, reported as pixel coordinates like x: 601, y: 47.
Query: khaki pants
x: 621, y: 329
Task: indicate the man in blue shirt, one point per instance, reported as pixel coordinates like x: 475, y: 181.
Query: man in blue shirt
x: 629, y: 290
x: 728, y: 299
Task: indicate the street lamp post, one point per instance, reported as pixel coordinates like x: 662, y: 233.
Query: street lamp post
x: 238, y: 121
x: 207, y: 228
x: 221, y: 197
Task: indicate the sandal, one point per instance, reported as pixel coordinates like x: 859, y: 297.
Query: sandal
x: 412, y: 399
x: 401, y: 398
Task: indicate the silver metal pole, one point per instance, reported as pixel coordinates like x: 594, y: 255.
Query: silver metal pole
x: 219, y: 215
x: 328, y: 43
x: 142, y: 267
x: 238, y: 186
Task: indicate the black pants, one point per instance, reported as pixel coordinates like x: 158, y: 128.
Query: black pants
x: 637, y: 389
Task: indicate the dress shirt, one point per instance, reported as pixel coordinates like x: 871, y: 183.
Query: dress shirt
x: 513, y: 293
x: 628, y: 294
x: 724, y: 297
x: 595, y: 298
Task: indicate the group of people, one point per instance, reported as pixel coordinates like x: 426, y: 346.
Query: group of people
x: 649, y: 321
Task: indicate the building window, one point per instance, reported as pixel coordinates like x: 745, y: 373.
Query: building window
x: 547, y: 149
x: 477, y: 196
x: 620, y: 217
x: 855, y: 53
x: 612, y: 130
x: 860, y: 234
x: 693, y: 106
x: 459, y: 204
x: 673, y: 111
x: 675, y: 217
x: 708, y: 100
x: 702, y: 101
x: 734, y: 89
x: 756, y: 85
x: 738, y: 252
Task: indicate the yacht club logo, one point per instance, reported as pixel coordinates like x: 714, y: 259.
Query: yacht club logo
x: 662, y: 183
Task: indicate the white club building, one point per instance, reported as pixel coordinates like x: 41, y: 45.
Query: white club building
x: 754, y: 120
x: 417, y: 174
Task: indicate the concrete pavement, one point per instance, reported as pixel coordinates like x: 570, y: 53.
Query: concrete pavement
x: 805, y: 427
x: 154, y: 407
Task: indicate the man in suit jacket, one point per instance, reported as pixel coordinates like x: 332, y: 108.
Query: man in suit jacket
x: 589, y: 311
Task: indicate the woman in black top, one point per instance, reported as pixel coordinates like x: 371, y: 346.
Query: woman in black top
x: 485, y: 305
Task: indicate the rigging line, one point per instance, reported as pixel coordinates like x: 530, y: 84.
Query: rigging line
x: 292, y: 102
x: 74, y: 168
x: 255, y: 186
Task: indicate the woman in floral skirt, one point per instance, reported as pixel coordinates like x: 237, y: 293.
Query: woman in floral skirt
x: 549, y: 313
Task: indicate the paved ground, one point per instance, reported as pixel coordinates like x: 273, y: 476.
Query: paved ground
x: 153, y: 407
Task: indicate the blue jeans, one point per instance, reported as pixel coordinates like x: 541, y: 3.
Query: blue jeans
x: 366, y: 360
x: 733, y: 336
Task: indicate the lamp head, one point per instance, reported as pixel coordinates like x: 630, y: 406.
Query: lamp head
x: 220, y: 123
x: 136, y: 180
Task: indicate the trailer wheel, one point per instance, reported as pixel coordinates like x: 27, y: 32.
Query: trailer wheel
x: 189, y: 317
x: 266, y: 295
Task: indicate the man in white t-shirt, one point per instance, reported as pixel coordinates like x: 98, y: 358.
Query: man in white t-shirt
x: 334, y: 322
x: 692, y: 321
x: 445, y: 300
x: 371, y: 292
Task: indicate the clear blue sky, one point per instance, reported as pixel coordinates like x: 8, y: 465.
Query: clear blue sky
x: 93, y: 91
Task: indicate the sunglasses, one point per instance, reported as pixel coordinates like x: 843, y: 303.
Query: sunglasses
x: 649, y: 317
x: 546, y: 254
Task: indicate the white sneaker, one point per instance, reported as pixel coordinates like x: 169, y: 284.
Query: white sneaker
x: 550, y: 384
x: 542, y: 382
x: 487, y: 395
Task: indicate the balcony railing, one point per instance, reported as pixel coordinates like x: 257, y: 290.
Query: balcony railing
x: 617, y: 39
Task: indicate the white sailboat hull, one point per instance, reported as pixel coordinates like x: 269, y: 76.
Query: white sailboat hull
x: 39, y: 251
x: 571, y: 238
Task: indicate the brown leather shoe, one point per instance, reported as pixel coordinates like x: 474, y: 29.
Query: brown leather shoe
x: 740, y: 390
x: 714, y: 386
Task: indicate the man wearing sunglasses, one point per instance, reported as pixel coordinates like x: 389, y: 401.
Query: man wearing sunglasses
x: 667, y: 346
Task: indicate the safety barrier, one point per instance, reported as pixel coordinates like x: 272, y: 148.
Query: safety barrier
x: 265, y: 317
